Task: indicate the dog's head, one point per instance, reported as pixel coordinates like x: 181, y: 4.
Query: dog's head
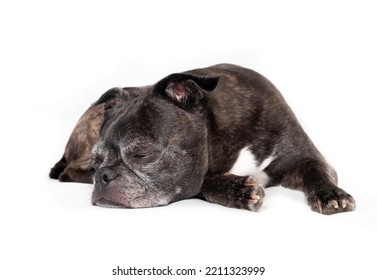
x: 152, y: 150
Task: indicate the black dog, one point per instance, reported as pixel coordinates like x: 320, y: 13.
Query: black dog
x: 222, y: 133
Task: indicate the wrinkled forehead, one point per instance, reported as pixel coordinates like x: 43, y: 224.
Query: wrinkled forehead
x: 130, y: 122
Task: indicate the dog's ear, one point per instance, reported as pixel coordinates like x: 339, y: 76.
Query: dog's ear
x: 114, y: 97
x: 186, y: 90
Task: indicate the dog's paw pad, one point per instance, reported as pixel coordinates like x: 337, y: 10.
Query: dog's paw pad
x: 256, y: 193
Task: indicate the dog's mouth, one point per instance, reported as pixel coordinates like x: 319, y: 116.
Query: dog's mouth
x: 103, y: 202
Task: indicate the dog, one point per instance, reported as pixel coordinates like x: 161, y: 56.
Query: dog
x: 221, y: 133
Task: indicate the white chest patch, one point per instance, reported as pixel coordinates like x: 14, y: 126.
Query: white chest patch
x: 247, y: 165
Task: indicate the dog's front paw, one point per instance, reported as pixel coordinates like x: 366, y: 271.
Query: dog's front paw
x: 331, y: 200
x: 242, y: 192
x: 256, y: 194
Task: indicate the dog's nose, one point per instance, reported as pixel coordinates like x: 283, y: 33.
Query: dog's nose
x: 105, y: 175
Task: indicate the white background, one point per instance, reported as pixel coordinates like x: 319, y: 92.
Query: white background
x: 57, y: 57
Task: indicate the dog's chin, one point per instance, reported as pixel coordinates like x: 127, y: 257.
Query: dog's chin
x: 138, y: 202
x: 103, y: 202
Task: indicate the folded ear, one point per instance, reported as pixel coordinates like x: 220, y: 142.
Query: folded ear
x: 186, y: 90
x: 115, y: 97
